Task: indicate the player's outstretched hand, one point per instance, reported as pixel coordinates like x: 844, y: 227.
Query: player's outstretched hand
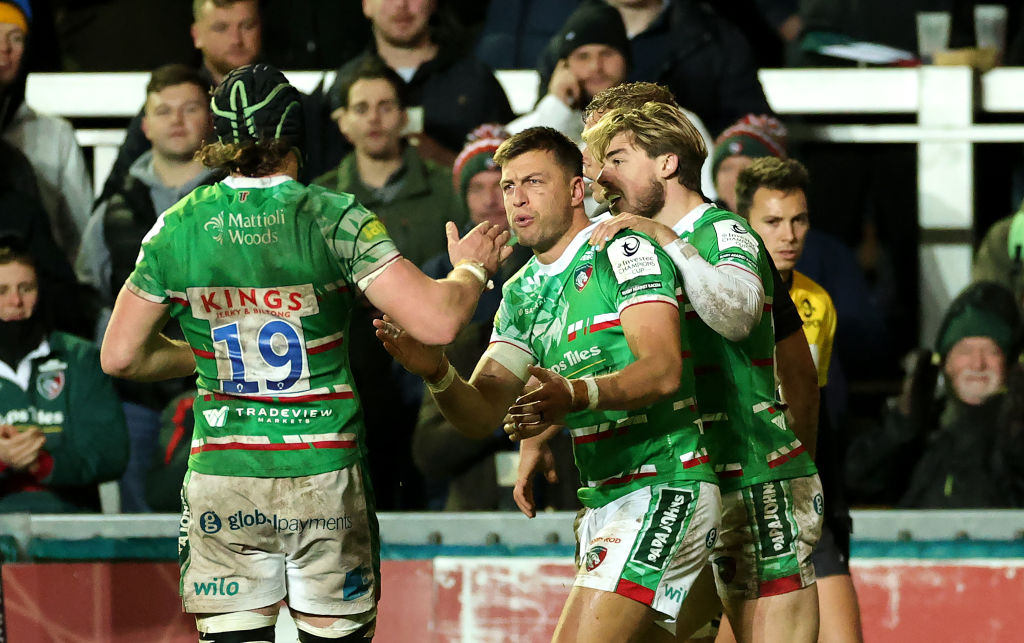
x: 534, y: 455
x: 485, y: 244
x: 417, y: 358
x: 607, y: 229
x: 548, y: 404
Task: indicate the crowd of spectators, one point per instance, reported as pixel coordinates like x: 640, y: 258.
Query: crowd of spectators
x: 408, y: 126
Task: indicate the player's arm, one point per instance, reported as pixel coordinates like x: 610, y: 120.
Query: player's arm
x: 795, y: 365
x: 475, y: 407
x: 133, y: 347
x: 652, y: 331
x: 727, y: 297
x: 534, y: 456
x: 799, y: 382
x: 434, y: 311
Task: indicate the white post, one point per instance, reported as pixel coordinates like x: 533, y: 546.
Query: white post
x: 945, y: 183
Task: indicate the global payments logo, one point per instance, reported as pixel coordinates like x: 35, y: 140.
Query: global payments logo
x: 210, y: 522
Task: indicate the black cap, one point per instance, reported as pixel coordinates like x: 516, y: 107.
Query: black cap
x: 593, y: 23
x: 257, y: 103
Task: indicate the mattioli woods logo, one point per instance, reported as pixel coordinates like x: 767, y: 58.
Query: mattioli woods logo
x: 244, y: 229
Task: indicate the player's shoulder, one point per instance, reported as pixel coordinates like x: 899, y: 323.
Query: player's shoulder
x: 318, y: 198
x: 726, y: 230
x: 628, y: 243
x: 522, y: 279
x: 630, y: 255
x: 807, y: 287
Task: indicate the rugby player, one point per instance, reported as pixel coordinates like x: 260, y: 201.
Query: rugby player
x: 772, y: 502
x: 262, y: 273
x: 601, y: 334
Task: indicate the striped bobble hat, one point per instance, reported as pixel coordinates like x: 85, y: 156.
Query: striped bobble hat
x: 753, y: 135
x: 477, y: 155
x: 257, y: 103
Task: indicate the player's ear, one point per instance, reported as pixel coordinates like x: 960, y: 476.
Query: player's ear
x: 668, y: 165
x: 577, y: 190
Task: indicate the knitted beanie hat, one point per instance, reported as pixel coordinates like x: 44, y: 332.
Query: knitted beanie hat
x: 983, y: 309
x: 477, y: 155
x: 753, y: 135
x: 16, y: 12
x: 593, y: 23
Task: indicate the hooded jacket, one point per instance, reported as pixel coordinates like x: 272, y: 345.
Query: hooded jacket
x: 49, y: 144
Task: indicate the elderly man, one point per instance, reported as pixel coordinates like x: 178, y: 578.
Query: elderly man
x: 956, y: 451
x: 961, y: 461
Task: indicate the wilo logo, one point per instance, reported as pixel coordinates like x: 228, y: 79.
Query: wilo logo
x: 216, y: 587
x: 216, y: 417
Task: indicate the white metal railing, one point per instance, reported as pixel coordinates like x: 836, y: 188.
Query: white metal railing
x: 512, y: 528
x: 944, y: 100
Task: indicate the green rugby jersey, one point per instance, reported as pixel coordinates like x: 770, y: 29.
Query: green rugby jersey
x: 565, y: 316
x: 262, y: 275
x: 747, y: 435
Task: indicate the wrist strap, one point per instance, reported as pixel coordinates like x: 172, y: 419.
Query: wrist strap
x: 592, y: 392
x: 445, y: 381
x: 474, y: 268
x: 572, y: 392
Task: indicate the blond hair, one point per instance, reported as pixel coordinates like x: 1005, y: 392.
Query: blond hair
x: 628, y: 96
x: 655, y: 128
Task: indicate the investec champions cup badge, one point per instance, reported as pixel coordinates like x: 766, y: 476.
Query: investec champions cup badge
x: 50, y: 385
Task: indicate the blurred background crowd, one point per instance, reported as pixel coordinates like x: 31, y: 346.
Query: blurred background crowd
x: 409, y: 125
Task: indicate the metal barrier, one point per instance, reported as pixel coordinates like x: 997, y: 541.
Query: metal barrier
x: 944, y: 100
x: 478, y: 529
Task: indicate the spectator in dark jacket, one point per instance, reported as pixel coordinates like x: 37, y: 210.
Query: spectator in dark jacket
x: 228, y: 34
x: 954, y: 450
x: 701, y: 57
x: 449, y: 92
x: 176, y: 121
x: 61, y: 427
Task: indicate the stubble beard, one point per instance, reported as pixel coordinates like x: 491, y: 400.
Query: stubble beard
x: 650, y: 202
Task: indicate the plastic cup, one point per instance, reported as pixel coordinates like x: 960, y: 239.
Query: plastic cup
x: 932, y: 33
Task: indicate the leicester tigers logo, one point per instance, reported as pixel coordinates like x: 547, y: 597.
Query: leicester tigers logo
x: 582, y: 276
x: 50, y: 385
x: 594, y: 557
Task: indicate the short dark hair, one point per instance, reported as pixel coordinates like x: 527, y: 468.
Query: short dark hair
x: 175, y: 74
x: 197, y: 5
x: 629, y: 96
x: 770, y: 173
x: 543, y: 139
x: 13, y: 248
x: 371, y: 68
